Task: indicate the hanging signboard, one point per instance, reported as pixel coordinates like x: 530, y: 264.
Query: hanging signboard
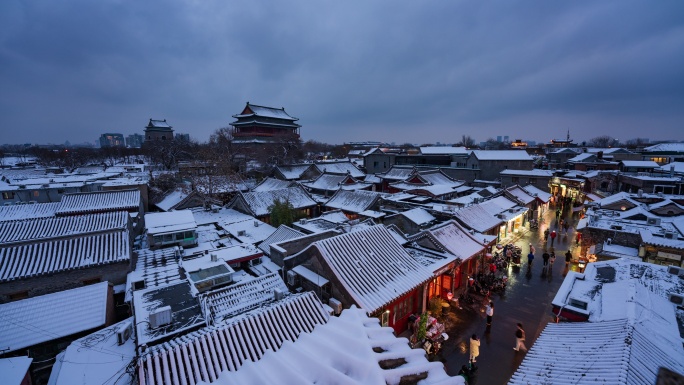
x: 674, y: 257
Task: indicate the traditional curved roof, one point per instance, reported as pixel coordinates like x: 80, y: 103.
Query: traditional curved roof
x: 359, y: 258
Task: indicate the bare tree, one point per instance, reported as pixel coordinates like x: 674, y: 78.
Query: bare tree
x: 603, y: 141
x: 466, y: 141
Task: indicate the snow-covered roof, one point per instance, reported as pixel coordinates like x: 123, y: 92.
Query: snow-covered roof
x: 610, y: 352
x: 282, y: 233
x: 372, y: 179
x: 647, y: 237
x: 358, y: 258
x: 315, y: 225
x: 498, y: 205
x: 326, y: 182
x: 294, y: 342
x: 583, y: 157
x: 169, y: 222
x: 418, y: 216
x: 99, y: 201
x: 36, y: 210
x: 14, y: 369
x: 269, y: 184
x: 250, y: 231
x: 260, y: 201
x: 55, y: 227
x: 44, y: 257
x: 186, y: 313
x: 48, y: 317
x: 222, y: 304
x: 372, y: 214
x: 224, y: 216
x: 521, y: 195
x: 535, y: 173
x: 458, y: 241
x: 477, y: 218
x: 172, y: 199
x: 621, y: 288
x: 435, y: 260
x: 293, y: 171
x: 537, y: 193
x: 443, y: 150
x: 501, y: 155
x: 435, y: 190
x: 353, y: 201
x: 666, y: 147
x: 266, y: 112
x: 640, y: 164
x: 397, y: 173
x: 155, y: 268
x: 677, y: 167
x: 340, y: 168
x: 157, y: 123
x: 97, y: 358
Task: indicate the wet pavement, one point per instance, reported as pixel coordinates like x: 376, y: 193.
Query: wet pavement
x: 527, y: 300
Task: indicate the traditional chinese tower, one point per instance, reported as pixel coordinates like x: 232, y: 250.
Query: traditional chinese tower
x: 158, y: 130
x: 259, y: 124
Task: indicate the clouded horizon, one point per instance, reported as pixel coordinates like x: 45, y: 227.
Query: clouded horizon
x: 393, y: 71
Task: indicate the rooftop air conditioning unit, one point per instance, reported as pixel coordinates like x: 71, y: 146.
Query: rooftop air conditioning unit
x: 123, y: 333
x: 160, y: 317
x: 278, y: 294
x: 302, y: 221
x: 256, y: 223
x: 292, y: 278
x: 214, y: 209
x: 653, y: 221
x: 674, y: 270
x: 241, y: 233
x: 336, y: 305
x: 214, y: 257
x: 676, y: 299
x: 640, y: 192
x: 669, y: 235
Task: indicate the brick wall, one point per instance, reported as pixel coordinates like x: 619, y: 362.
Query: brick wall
x: 52, y: 283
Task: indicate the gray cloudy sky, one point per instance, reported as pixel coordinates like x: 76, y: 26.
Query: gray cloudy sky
x: 395, y: 71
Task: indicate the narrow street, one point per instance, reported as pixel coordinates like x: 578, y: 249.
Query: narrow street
x: 527, y: 300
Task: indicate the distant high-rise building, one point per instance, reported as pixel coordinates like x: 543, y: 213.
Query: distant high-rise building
x: 135, y: 140
x: 498, y: 138
x: 158, y: 130
x: 112, y: 140
x: 183, y: 137
x: 506, y: 139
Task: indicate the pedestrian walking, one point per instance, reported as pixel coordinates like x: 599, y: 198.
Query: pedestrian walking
x: 579, y: 238
x: 568, y: 258
x: 489, y: 310
x: 546, y: 257
x: 558, y: 213
x: 546, y: 235
x: 474, y: 348
x: 520, y: 339
x: 552, y: 258
x: 566, y: 227
x: 530, y: 258
x: 553, y: 236
x: 532, y: 249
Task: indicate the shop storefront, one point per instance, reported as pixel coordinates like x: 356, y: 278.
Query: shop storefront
x: 651, y: 254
